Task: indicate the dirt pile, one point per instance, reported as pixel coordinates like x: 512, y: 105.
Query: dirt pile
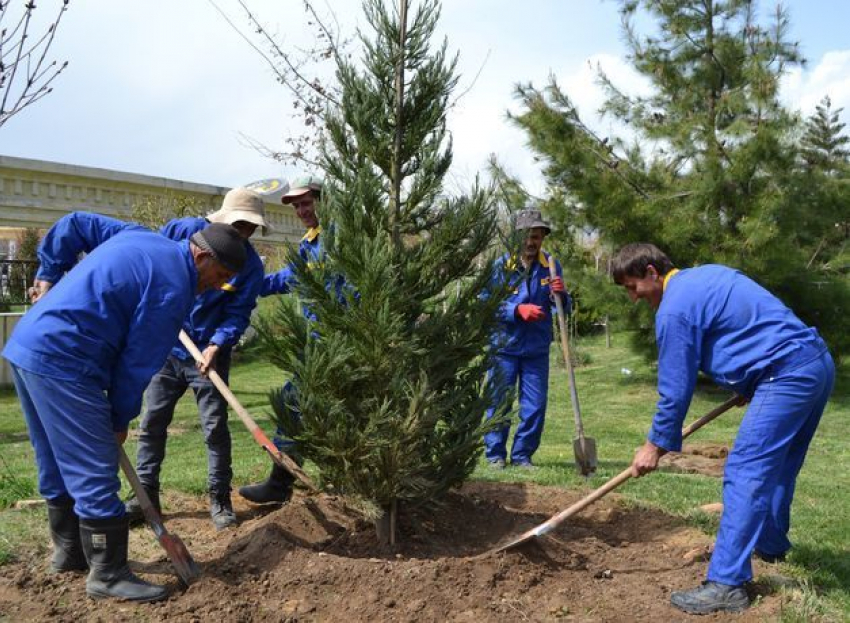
x: 313, y: 560
x: 705, y: 459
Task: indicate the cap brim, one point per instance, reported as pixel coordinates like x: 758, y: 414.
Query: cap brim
x: 294, y: 193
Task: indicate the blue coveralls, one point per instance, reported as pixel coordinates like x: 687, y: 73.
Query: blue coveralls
x: 217, y: 317
x: 523, y: 355
x: 717, y: 320
x: 82, y: 356
x: 311, y: 251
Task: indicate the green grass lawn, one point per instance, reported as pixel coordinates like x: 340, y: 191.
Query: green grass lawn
x: 617, y: 408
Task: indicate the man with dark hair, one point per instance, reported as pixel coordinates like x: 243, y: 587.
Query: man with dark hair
x: 716, y: 320
x: 524, y: 339
x: 81, y: 358
x: 216, y: 322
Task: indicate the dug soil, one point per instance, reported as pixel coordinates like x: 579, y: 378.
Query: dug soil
x: 314, y: 560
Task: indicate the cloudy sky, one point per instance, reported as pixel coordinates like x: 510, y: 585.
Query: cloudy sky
x: 168, y: 88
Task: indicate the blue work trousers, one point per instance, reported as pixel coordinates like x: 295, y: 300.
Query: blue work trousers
x: 165, y: 390
x: 532, y: 373
x: 281, y: 441
x: 762, y: 468
x: 70, y: 428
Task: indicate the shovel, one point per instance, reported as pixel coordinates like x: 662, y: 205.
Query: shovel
x: 260, y: 437
x: 556, y: 520
x: 186, y: 567
x: 584, y: 448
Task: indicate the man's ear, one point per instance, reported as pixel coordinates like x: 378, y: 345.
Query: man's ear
x: 651, y: 271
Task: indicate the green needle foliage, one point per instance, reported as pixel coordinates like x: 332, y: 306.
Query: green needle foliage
x: 713, y: 169
x: 390, y: 377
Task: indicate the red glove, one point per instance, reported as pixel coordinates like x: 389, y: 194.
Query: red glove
x: 530, y: 313
x: 556, y: 286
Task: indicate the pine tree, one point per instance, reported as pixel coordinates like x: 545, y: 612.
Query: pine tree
x: 711, y: 171
x: 824, y: 143
x: 390, y: 378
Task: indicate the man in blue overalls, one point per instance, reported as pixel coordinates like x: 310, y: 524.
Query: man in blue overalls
x: 715, y: 319
x: 524, y: 340
x: 217, y: 321
x: 81, y: 358
x: 304, y: 196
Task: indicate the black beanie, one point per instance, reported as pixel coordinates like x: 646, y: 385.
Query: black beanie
x: 225, y: 244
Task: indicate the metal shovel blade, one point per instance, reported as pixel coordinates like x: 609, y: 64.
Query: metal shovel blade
x: 187, y: 569
x: 585, y: 453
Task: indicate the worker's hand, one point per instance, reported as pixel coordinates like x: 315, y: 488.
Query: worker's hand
x: 121, y: 437
x: 742, y: 400
x: 556, y: 286
x: 646, y: 459
x: 38, y: 290
x: 209, y: 355
x: 530, y: 313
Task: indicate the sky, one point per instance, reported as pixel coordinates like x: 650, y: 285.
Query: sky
x: 168, y: 88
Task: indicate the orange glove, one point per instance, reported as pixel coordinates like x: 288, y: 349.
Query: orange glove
x: 530, y: 313
x: 556, y: 286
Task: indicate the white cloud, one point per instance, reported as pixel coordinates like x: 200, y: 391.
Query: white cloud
x: 803, y: 89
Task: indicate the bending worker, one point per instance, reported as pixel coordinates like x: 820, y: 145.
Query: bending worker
x: 715, y: 319
x: 524, y: 340
x: 81, y: 358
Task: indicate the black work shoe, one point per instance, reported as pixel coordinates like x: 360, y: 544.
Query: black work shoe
x: 711, y: 597
x: 221, y: 511
x: 523, y: 465
x: 496, y: 463
x: 135, y: 514
x: 771, y: 559
x: 277, y: 489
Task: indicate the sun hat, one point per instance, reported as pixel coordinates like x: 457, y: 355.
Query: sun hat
x: 241, y: 204
x: 529, y: 218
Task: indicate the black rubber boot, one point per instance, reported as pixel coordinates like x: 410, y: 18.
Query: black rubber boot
x: 65, y: 534
x: 711, y: 597
x: 105, y: 546
x: 134, y: 512
x: 276, y: 490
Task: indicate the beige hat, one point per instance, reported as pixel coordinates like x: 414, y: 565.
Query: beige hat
x: 241, y: 204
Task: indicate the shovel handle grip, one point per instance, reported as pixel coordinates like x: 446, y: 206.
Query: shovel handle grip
x: 261, y: 438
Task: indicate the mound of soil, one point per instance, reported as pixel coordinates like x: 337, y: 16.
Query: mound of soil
x: 314, y: 560
x: 705, y: 459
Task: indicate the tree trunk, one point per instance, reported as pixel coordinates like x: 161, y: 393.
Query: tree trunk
x: 385, y: 525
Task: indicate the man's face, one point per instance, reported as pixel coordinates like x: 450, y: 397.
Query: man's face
x: 245, y: 229
x: 211, y: 274
x: 649, y: 288
x: 533, y: 241
x: 305, y: 209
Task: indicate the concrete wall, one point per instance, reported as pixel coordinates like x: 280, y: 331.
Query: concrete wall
x: 36, y: 193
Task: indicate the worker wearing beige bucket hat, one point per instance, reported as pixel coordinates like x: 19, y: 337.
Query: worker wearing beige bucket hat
x: 216, y: 322
x: 241, y: 204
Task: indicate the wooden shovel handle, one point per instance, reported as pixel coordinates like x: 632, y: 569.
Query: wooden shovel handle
x: 281, y: 459
x: 623, y: 476
x: 565, y: 347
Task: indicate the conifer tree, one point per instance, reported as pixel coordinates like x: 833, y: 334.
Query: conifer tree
x: 710, y: 172
x: 824, y: 143
x: 390, y: 377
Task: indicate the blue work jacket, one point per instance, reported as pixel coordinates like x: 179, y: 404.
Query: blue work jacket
x: 311, y: 251
x: 718, y: 320
x: 218, y: 316
x: 111, y: 320
x: 518, y: 338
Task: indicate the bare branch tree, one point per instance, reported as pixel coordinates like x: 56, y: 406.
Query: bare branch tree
x: 298, y: 69
x: 25, y: 74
